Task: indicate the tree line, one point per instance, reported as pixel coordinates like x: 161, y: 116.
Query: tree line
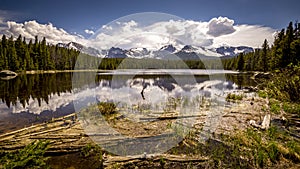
x: 22, y: 55
x: 18, y: 55
x: 283, y: 53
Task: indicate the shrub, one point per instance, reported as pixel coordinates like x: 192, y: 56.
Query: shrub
x: 285, y: 85
x: 31, y: 156
x: 291, y: 108
x: 107, y: 108
x: 232, y: 96
x: 275, y: 106
x: 262, y: 94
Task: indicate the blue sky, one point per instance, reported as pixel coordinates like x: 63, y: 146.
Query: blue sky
x: 78, y: 16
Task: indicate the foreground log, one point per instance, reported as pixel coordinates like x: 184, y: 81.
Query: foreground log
x: 168, y: 117
x: 265, y: 123
x: 154, y: 158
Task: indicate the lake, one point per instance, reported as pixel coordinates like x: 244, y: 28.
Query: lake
x: 36, y: 98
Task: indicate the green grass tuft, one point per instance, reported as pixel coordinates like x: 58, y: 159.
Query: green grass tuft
x: 233, y: 97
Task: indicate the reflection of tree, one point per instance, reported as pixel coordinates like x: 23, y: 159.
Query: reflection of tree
x: 38, y: 87
x: 241, y: 80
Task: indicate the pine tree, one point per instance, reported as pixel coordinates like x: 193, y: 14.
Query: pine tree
x: 29, y: 56
x: 2, y: 59
x: 20, y: 49
x: 240, y: 62
x: 264, y: 56
x: 277, y: 53
x: 295, y: 51
x: 4, y: 52
x: 287, y: 57
x: 13, y: 62
x: 36, y: 53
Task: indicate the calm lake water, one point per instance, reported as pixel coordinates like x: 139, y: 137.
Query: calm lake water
x: 31, y: 99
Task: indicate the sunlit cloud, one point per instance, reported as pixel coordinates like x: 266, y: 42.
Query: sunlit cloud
x: 220, y: 26
x: 213, y: 33
x: 30, y: 29
x: 87, y: 31
x: 106, y: 27
x: 248, y: 35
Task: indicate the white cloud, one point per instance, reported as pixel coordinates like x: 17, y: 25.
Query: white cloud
x: 2, y: 20
x: 220, y: 26
x: 130, y: 34
x: 4, y: 15
x: 216, y: 32
x: 188, y: 32
x: 78, y: 35
x: 106, y: 27
x: 248, y: 35
x: 32, y: 28
x: 89, y: 32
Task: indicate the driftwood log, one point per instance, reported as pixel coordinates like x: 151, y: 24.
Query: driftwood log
x: 154, y: 158
x: 265, y: 123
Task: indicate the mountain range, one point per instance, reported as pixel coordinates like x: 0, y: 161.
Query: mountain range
x: 188, y: 52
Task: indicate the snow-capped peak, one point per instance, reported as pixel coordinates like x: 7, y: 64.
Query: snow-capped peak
x: 200, y: 50
x: 139, y: 53
x: 169, y: 48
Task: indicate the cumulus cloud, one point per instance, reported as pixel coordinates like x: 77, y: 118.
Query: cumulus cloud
x: 32, y: 28
x: 131, y: 34
x: 105, y: 27
x: 214, y: 33
x: 89, y: 32
x: 220, y: 26
x: 188, y: 32
x: 4, y: 16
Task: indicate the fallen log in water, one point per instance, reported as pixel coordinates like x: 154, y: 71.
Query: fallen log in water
x: 168, y: 117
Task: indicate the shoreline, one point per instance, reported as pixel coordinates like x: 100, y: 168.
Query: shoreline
x: 113, y: 70
x: 55, y: 71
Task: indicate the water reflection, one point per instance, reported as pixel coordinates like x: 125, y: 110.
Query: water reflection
x: 241, y: 80
x: 41, y: 89
x: 52, y: 95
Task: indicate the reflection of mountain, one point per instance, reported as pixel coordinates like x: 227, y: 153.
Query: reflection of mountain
x: 50, y: 92
x: 37, y: 98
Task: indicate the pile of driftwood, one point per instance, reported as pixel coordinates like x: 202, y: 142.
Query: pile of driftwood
x: 64, y: 134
